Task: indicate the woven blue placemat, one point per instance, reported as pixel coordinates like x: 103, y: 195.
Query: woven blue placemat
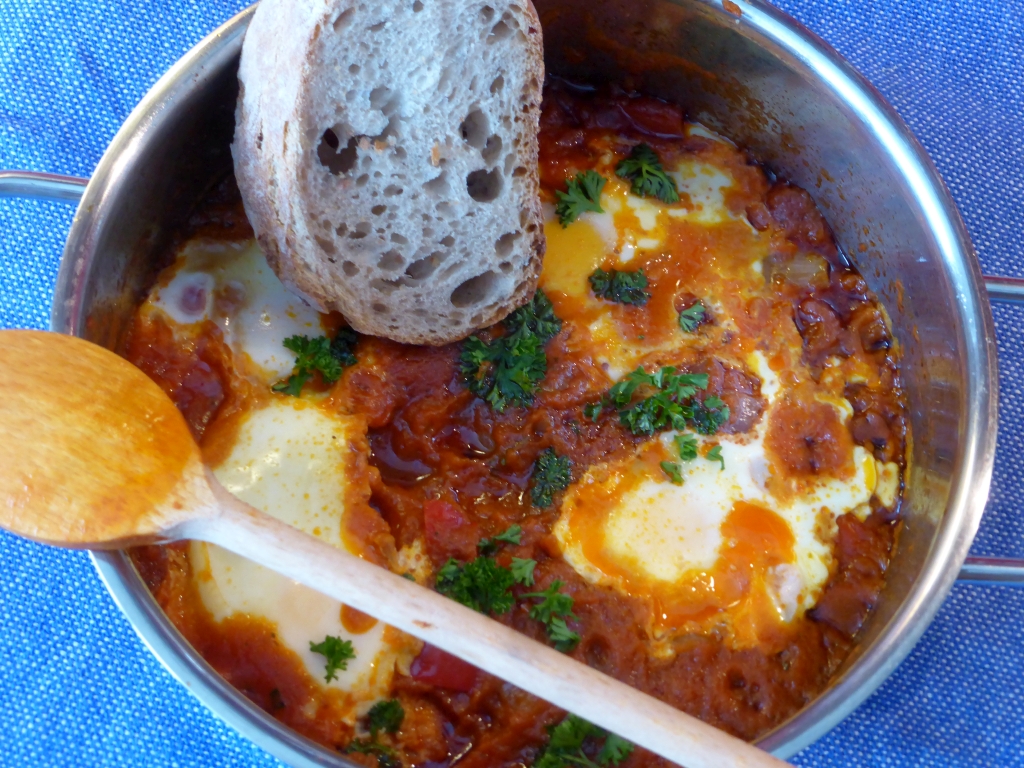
x: 76, y: 686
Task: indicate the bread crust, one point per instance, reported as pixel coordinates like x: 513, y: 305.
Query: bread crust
x: 311, y: 207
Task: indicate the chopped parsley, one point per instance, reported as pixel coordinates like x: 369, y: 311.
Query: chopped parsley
x: 385, y: 755
x: 674, y: 472
x: 522, y: 571
x: 551, y: 473
x: 710, y: 415
x: 715, y: 454
x: 687, y: 447
x: 338, y: 653
x: 621, y: 287
x: 691, y: 317
x: 482, y: 585
x: 644, y: 170
x: 386, y: 715
x: 318, y: 354
x: 671, y: 405
x: 592, y: 410
x: 552, y: 611
x: 512, y: 536
x: 583, y: 194
x: 565, y: 747
x: 507, y: 370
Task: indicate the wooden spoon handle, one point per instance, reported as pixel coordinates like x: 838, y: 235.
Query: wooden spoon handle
x: 486, y: 644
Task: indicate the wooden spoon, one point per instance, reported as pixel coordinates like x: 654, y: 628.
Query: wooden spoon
x: 95, y: 455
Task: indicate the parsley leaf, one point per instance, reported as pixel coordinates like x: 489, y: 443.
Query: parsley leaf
x: 507, y: 370
x: 673, y: 471
x: 715, y: 454
x: 710, y: 415
x: 386, y: 715
x: 691, y: 317
x: 385, y: 755
x: 643, y: 168
x: 318, y: 354
x: 583, y: 194
x: 622, y: 287
x: 551, y: 473
x: 592, y: 410
x: 552, y: 611
x: 338, y: 653
x: 687, y: 447
x: 615, y: 750
x: 522, y: 571
x: 565, y: 746
x: 512, y: 536
x: 538, y: 315
x: 482, y: 585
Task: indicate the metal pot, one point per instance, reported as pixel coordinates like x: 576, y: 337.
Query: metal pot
x: 745, y: 70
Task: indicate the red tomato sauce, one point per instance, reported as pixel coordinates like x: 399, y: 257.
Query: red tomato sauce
x: 448, y: 469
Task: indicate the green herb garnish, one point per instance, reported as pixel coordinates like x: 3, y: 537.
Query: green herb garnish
x: 512, y: 536
x: 551, y: 473
x: 644, y: 170
x: 507, y: 370
x: 674, y: 472
x: 318, y: 354
x: 592, y: 410
x: 338, y: 653
x: 482, y: 585
x: 715, y: 454
x: 565, y: 746
x: 622, y: 287
x: 687, y: 447
x: 386, y: 715
x: 710, y: 415
x: 522, y: 571
x: 552, y: 611
x: 583, y: 194
x: 691, y: 317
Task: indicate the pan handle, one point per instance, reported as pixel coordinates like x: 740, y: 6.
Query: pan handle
x: 42, y: 186
x: 997, y: 571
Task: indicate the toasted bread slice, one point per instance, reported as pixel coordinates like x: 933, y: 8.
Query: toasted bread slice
x: 387, y: 156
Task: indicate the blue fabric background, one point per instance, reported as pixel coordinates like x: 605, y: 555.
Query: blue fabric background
x: 77, y: 688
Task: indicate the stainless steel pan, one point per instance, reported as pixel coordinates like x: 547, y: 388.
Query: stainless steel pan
x: 751, y: 73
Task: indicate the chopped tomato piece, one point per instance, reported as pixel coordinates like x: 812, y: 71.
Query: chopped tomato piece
x: 653, y: 117
x: 436, y: 667
x: 448, y: 532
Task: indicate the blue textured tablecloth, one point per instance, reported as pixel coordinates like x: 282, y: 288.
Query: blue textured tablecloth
x: 77, y: 688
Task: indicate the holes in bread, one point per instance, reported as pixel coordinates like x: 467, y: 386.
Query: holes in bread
x: 392, y: 190
x: 492, y: 149
x: 505, y: 267
x: 417, y: 6
x: 500, y: 31
x: 377, y: 210
x: 335, y: 160
x: 391, y: 261
x: 476, y: 320
x: 378, y: 307
x: 483, y: 185
x: 474, y: 129
x: 503, y: 245
x: 379, y: 97
x: 423, y: 268
x: 448, y: 241
x: 387, y: 287
x: 363, y: 228
x: 342, y: 229
x: 378, y: 27
x: 344, y: 19
x: 353, y: 69
x: 361, y: 181
x: 349, y: 268
x: 476, y: 290
x: 519, y: 171
x: 326, y: 245
x: 445, y: 209
x: 438, y: 185
x: 497, y: 84
x: 400, y: 239
x: 486, y: 14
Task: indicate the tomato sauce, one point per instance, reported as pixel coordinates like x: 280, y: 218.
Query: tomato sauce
x: 448, y: 470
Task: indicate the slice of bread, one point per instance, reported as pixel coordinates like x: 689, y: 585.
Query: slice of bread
x: 386, y: 151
